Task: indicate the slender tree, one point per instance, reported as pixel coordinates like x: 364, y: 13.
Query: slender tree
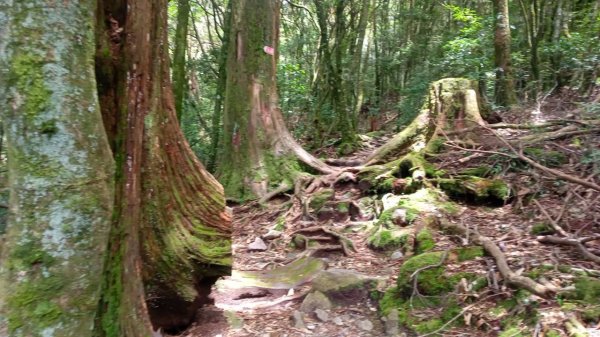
x: 60, y: 170
x: 179, y: 74
x: 505, y: 88
x: 258, y: 151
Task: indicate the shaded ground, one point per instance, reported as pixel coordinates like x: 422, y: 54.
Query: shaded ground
x: 491, y: 311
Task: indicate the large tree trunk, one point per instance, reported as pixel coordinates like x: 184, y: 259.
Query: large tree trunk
x: 505, y: 87
x: 60, y: 170
x: 452, y: 104
x: 258, y: 150
x: 170, y: 231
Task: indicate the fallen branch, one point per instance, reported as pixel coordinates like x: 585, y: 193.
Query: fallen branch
x: 553, y: 223
x: 543, y: 168
x: 577, y: 243
x: 491, y: 248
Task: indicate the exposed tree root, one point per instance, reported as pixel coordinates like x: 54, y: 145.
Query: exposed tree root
x: 491, y: 248
x: 315, y: 233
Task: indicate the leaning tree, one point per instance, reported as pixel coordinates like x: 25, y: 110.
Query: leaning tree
x: 258, y: 152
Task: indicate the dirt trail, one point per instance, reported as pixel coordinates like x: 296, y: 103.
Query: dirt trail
x: 258, y: 311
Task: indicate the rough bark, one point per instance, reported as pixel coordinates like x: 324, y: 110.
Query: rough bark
x: 170, y: 230
x: 179, y: 75
x: 60, y: 170
x: 452, y: 103
x: 505, y: 88
x: 258, y: 151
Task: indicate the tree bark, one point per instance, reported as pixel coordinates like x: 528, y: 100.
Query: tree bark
x: 452, y: 103
x: 171, y: 231
x: 60, y: 170
x: 258, y: 151
x: 179, y: 75
x: 505, y: 87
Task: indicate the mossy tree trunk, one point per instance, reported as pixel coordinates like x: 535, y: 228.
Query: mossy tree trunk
x: 258, y: 151
x: 170, y: 230
x: 452, y: 103
x: 60, y: 170
x: 505, y: 87
x: 179, y: 75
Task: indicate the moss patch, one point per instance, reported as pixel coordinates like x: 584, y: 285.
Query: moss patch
x: 319, y: 199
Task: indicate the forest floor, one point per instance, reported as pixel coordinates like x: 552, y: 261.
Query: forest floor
x: 326, y: 225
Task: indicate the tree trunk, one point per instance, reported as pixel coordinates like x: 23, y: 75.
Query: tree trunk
x: 60, y: 170
x: 357, y: 61
x: 170, y: 230
x: 179, y: 75
x: 505, y: 87
x: 258, y: 150
x: 452, y: 103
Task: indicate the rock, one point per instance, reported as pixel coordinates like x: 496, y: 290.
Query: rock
x: 342, y: 286
x: 272, y: 234
x: 315, y: 300
x: 338, y: 321
x: 397, y: 255
x: 399, y: 217
x: 365, y: 325
x: 258, y: 245
x: 391, y: 323
x: 298, y: 319
x: 366, y: 208
x: 322, y: 315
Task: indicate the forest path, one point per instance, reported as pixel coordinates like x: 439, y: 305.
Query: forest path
x: 285, y: 223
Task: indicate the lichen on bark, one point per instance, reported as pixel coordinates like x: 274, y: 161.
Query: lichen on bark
x: 60, y: 170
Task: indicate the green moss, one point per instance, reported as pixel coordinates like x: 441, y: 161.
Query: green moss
x: 591, y: 313
x: 536, y: 272
x: 30, y: 302
x: 469, y: 253
x: 480, y: 171
x: 479, y: 283
x: 385, y: 239
x: 541, y: 228
x: 480, y: 190
x: 511, y: 332
x: 587, y: 289
x: 436, y: 145
x: 425, y: 241
x: 280, y: 224
x: 553, y: 333
x: 29, y: 77
x: 343, y: 207
x: 428, y: 326
x: 319, y: 199
x: 546, y: 157
x: 430, y: 281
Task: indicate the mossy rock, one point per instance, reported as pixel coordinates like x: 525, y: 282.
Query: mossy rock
x: 388, y: 239
x: 285, y: 277
x: 430, y: 281
x: 425, y: 241
x: 344, y: 286
x: 476, y: 190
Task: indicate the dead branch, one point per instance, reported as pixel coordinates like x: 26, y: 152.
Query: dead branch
x: 577, y: 243
x: 553, y: 223
x: 543, y: 168
x: 503, y: 267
